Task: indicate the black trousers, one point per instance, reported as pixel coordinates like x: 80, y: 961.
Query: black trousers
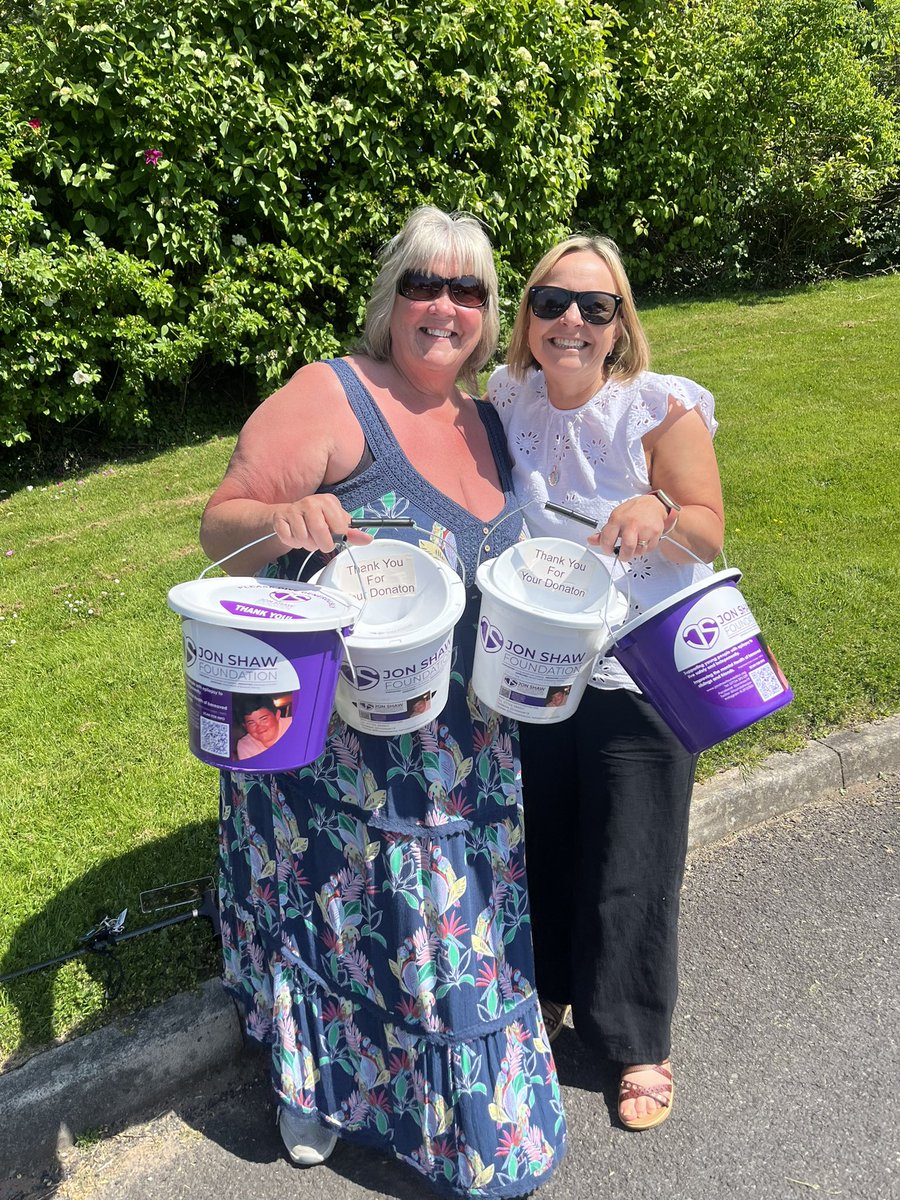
x: 607, y: 797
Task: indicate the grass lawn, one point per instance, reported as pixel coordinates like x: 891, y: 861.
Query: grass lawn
x: 103, y: 799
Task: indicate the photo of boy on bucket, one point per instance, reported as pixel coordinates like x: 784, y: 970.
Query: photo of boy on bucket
x: 262, y: 720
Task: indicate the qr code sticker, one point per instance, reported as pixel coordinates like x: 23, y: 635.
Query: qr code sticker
x: 767, y: 682
x: 214, y: 737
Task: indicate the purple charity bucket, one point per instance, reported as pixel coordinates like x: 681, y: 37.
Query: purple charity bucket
x: 701, y: 661
x: 261, y: 665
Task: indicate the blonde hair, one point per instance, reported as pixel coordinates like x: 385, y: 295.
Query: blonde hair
x: 432, y: 236
x: 630, y: 353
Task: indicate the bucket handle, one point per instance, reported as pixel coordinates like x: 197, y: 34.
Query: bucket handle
x: 496, y: 525
x: 235, y: 553
x: 355, y: 523
x: 387, y: 523
x: 681, y: 546
x: 584, y: 519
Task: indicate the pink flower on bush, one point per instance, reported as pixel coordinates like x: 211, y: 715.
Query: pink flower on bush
x: 35, y: 123
x: 152, y: 157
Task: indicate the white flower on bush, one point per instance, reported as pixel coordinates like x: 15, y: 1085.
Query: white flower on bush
x: 238, y: 239
x: 49, y: 301
x: 341, y: 103
x: 79, y: 377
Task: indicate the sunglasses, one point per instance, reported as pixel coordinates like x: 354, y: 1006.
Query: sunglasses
x: 597, y: 308
x: 465, y: 290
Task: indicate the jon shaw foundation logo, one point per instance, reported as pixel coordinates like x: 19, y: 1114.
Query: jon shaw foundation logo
x: 366, y: 677
x: 703, y: 635
x: 491, y: 637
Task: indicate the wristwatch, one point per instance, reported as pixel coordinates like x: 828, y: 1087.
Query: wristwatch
x: 672, y: 509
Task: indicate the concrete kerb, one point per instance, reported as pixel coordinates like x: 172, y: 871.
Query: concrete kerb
x: 126, y: 1070
x: 732, y: 801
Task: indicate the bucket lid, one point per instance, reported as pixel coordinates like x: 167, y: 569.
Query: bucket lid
x: 700, y: 585
x: 551, y: 576
x: 411, y: 596
x: 263, y: 605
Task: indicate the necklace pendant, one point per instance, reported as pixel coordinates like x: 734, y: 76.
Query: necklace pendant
x: 553, y: 478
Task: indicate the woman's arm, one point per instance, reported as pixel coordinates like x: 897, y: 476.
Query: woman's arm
x: 681, y: 461
x: 303, y: 436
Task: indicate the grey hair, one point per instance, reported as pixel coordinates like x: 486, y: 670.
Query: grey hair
x: 630, y: 353
x: 429, y: 238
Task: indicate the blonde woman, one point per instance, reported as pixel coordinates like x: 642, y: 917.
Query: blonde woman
x: 607, y: 792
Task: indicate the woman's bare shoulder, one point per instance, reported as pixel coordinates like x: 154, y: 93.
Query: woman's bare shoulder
x: 297, y: 438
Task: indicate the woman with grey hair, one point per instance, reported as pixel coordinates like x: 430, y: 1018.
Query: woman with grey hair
x: 374, y: 912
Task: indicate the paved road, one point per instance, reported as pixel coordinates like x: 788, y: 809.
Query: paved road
x: 786, y: 1054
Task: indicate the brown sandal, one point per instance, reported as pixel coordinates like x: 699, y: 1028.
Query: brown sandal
x: 554, y: 1018
x: 662, y: 1093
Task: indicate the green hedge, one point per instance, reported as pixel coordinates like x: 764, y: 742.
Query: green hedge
x: 185, y: 184
x: 752, y: 139
x: 189, y: 180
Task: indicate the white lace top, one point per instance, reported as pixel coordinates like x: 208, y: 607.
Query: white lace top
x: 590, y: 459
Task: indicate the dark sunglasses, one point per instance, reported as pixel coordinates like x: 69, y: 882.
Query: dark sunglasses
x: 597, y: 308
x: 465, y: 290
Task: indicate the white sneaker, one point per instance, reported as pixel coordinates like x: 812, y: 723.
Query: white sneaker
x: 307, y: 1143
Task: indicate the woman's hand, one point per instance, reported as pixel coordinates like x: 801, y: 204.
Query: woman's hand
x: 313, y: 524
x: 680, y: 461
x: 636, y: 525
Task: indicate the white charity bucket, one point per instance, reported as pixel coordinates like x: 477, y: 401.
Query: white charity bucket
x: 547, y: 608
x: 401, y: 647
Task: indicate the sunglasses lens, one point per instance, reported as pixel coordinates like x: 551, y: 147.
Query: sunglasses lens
x: 548, y: 303
x: 467, y: 291
x: 598, y: 308
x: 415, y: 285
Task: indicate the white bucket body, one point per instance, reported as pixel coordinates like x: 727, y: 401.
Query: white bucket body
x: 547, y: 607
x: 401, y: 649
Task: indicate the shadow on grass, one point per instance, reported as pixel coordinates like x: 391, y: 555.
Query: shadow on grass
x: 57, y: 450
x: 743, y: 298
x: 140, y: 972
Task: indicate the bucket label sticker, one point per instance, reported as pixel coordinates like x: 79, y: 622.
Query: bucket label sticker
x: 555, y: 572
x: 534, y: 695
x: 387, y: 576
x: 523, y: 661
x: 225, y: 658
x: 235, y: 727
x: 720, y: 651
x: 719, y: 621
x: 389, y: 712
x: 399, y: 676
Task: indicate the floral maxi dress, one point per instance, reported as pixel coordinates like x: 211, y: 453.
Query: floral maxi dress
x: 374, y: 910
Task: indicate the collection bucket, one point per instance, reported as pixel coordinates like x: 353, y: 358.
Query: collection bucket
x: 701, y: 661
x: 400, y: 650
x: 261, y: 665
x: 547, y: 606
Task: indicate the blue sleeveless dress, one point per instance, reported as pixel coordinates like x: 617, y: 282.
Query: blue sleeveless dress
x: 374, y: 909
